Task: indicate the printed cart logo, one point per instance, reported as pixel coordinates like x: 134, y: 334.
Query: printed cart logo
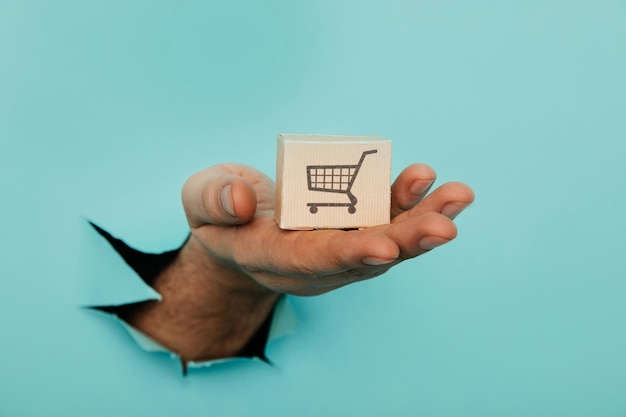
x: 334, y: 179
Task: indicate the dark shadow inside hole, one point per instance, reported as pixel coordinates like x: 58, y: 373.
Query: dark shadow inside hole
x: 148, y: 266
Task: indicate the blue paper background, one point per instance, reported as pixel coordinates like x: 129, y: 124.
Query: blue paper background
x: 106, y: 107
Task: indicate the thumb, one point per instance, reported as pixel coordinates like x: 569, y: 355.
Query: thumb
x: 216, y: 196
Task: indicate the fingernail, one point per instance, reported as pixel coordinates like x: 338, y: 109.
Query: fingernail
x: 431, y: 242
x: 227, y: 200
x: 452, y: 210
x: 419, y: 187
x: 373, y: 261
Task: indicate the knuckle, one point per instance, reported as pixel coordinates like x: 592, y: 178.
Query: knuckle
x: 210, y: 202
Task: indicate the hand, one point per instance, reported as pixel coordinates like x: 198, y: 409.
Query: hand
x: 229, y: 274
x: 230, y: 212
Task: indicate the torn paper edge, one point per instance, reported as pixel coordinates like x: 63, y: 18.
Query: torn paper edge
x: 284, y: 322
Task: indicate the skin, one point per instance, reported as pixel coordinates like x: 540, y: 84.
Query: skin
x: 230, y: 273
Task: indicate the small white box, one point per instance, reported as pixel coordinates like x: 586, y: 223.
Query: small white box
x: 332, y: 182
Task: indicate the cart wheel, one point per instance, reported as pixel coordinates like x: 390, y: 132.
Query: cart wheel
x: 351, y: 209
x: 313, y: 209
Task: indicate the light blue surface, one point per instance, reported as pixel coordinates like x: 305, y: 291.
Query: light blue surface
x: 107, y: 107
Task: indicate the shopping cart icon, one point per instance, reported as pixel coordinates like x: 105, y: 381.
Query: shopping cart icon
x: 334, y: 179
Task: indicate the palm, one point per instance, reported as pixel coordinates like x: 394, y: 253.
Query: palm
x: 314, y: 262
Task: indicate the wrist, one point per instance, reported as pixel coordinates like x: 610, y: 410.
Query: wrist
x: 209, y: 308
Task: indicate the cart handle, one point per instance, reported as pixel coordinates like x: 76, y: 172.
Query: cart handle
x: 363, y: 155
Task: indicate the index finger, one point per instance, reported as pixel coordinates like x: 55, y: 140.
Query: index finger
x: 410, y: 187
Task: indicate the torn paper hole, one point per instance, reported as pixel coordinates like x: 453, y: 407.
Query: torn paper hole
x: 120, y: 276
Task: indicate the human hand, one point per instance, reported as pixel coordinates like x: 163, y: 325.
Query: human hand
x: 227, y: 277
x: 229, y: 208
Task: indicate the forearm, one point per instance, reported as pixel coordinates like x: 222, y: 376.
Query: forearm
x: 209, y: 309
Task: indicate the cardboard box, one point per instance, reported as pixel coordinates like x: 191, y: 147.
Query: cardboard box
x: 332, y: 182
